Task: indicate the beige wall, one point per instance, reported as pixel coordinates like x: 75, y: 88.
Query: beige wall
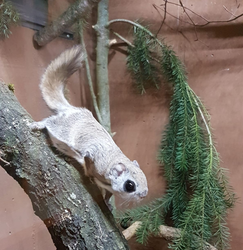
x: 214, y: 62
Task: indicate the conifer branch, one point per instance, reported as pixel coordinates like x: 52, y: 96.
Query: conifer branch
x: 198, y: 194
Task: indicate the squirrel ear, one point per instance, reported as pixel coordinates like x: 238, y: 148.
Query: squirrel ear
x: 117, y: 170
x: 136, y: 163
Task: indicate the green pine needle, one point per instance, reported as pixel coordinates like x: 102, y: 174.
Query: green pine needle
x: 140, y: 62
x: 150, y: 217
x: 190, y: 158
x: 198, y: 195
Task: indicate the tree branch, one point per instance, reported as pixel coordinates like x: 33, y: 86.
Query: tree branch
x: 80, y: 9
x: 102, y: 50
x: 58, y: 197
x: 165, y: 232
x: 90, y: 82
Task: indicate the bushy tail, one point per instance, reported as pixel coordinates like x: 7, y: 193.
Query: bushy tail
x: 55, y: 77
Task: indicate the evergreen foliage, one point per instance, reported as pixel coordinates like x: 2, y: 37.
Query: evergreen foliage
x: 150, y: 217
x: 198, y: 195
x: 8, y: 16
x: 140, y: 63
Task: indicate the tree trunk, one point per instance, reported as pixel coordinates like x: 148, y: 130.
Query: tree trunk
x: 58, y: 197
x: 80, y: 9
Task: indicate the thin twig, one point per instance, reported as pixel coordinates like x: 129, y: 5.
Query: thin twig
x: 2, y: 161
x: 97, y: 111
x: 203, y: 118
x: 102, y: 51
x: 207, y: 22
x: 189, y: 19
x: 183, y: 7
x: 229, y: 11
x: 168, y: 13
x: 137, y: 25
x: 130, y: 44
x: 130, y: 22
x: 122, y: 38
x: 165, y: 12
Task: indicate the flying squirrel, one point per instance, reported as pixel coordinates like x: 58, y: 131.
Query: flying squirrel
x: 76, y: 133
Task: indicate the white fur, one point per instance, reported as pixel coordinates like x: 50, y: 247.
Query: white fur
x: 75, y: 132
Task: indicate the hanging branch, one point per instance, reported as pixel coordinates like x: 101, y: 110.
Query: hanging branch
x: 55, y: 188
x: 80, y: 9
x: 198, y: 195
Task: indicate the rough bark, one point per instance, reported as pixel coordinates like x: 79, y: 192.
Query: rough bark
x: 102, y: 50
x: 59, y: 198
x: 80, y: 9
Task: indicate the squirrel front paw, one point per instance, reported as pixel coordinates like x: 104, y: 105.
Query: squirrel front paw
x: 37, y: 125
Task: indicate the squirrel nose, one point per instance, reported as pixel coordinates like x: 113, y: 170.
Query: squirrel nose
x: 144, y: 193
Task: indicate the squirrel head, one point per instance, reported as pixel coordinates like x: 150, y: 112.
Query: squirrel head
x: 128, y: 181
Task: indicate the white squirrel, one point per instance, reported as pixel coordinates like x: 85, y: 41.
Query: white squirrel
x: 75, y: 132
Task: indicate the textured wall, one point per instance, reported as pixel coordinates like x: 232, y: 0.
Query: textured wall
x: 213, y: 58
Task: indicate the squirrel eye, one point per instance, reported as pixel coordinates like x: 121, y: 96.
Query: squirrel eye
x: 129, y: 186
